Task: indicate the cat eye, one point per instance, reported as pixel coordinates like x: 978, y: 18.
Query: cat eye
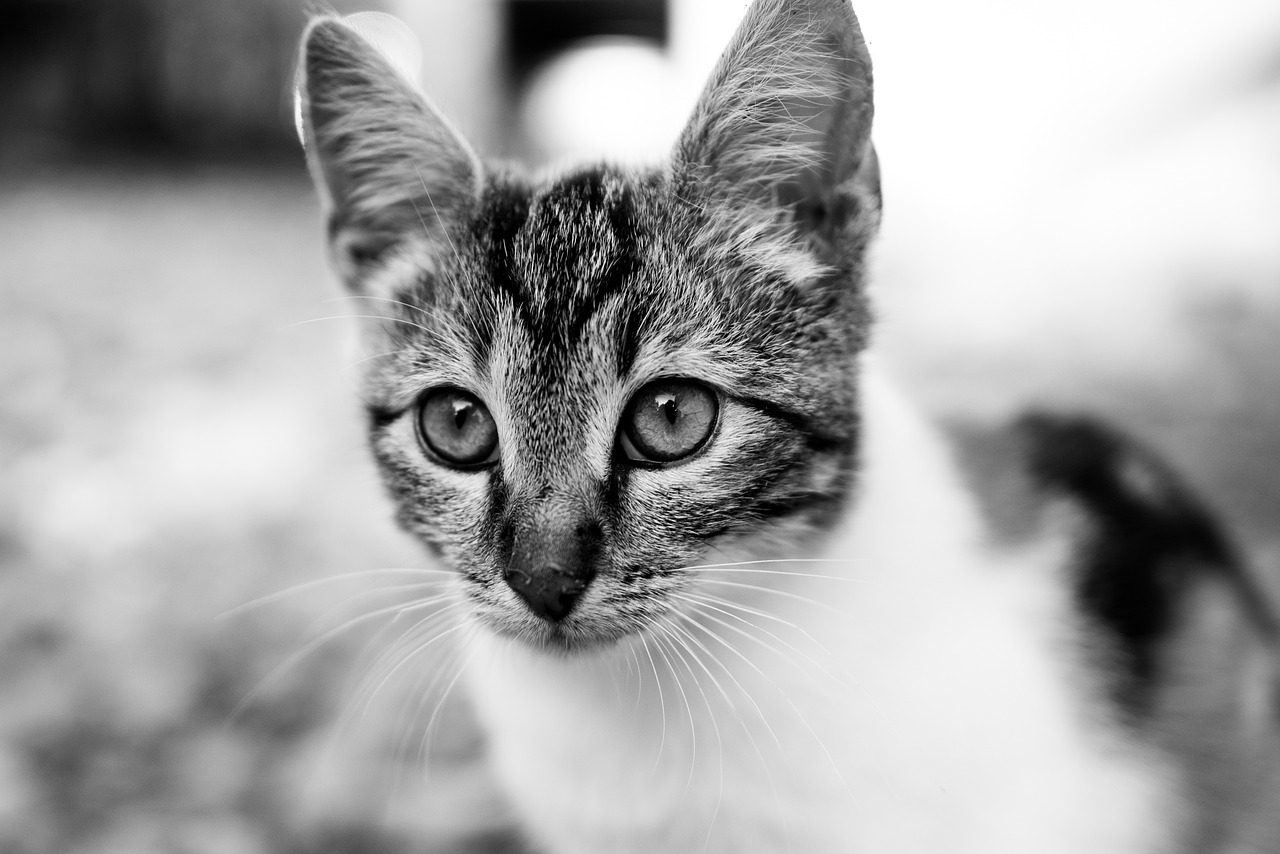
x: 456, y: 427
x: 668, y: 420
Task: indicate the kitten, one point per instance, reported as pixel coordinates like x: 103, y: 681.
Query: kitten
x: 727, y: 591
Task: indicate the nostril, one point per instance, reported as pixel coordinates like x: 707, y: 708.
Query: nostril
x: 550, y: 592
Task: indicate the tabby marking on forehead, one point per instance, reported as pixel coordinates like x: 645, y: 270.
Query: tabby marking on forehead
x: 561, y: 253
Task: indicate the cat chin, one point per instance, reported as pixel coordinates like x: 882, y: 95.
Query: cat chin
x: 559, y: 640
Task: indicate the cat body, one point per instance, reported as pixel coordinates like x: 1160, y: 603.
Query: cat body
x: 932, y: 714
x: 724, y: 590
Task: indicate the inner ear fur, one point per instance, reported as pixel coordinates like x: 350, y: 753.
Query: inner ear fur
x: 389, y: 167
x: 783, y: 128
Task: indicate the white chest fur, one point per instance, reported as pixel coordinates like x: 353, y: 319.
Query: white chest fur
x: 910, y: 694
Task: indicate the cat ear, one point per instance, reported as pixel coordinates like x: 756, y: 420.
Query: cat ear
x: 784, y: 124
x: 388, y: 166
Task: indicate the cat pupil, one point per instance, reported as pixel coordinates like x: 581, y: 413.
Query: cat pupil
x: 461, y: 412
x: 667, y: 404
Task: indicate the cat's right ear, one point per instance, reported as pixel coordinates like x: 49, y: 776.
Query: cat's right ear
x: 391, y: 172
x: 782, y: 131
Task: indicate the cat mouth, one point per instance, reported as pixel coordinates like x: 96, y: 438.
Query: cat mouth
x: 572, y: 640
x: 560, y: 640
x: 565, y: 637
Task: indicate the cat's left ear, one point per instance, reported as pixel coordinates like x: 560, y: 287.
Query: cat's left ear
x: 783, y: 127
x: 389, y: 168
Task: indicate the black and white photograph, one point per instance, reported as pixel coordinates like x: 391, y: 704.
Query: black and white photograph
x: 639, y: 427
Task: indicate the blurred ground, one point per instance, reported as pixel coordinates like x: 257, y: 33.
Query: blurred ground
x: 179, y: 439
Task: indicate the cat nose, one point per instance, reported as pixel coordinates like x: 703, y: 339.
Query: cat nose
x: 550, y: 591
x: 551, y: 562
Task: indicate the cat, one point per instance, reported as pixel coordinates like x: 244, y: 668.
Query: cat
x: 725, y: 590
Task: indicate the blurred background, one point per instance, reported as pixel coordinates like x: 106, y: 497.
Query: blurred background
x: 1082, y: 211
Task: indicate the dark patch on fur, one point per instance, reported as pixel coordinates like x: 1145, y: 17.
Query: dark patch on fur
x: 504, y: 209
x: 1148, y: 539
x: 561, y: 311
x: 633, y: 331
x: 380, y: 417
x: 614, y: 488
x: 822, y: 507
x: 815, y: 440
x: 498, y: 500
x: 996, y: 472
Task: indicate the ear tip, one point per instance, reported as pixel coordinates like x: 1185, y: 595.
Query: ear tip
x: 842, y: 11
x: 329, y: 38
x: 840, y: 8
x: 828, y: 10
x: 325, y: 27
x: 365, y: 39
x: 324, y: 33
x: 835, y: 20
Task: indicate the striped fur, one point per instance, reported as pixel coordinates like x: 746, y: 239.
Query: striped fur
x: 555, y: 302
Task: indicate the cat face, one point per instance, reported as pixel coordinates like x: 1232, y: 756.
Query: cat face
x: 584, y: 386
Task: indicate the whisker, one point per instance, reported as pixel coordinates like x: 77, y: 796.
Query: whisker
x: 783, y: 694
x: 756, y: 561
x: 427, y: 741
x: 659, y: 639
x: 685, y: 641
x: 831, y: 760
x: 435, y: 211
x: 412, y: 712
x: 412, y: 606
x: 718, y: 605
x: 338, y: 724
x: 277, y: 595
x: 755, y: 745
x: 363, y: 317
x: 428, y: 636
x: 742, y: 689
x: 681, y: 642
x: 785, y: 594
x: 739, y: 630
x: 420, y: 638
x: 417, y: 640
x: 735, y: 568
x: 707, y: 596
x: 415, y: 648
x: 383, y: 355
x: 428, y: 313
x: 715, y: 682
x: 662, y: 703
x: 310, y: 647
x: 429, y: 738
x: 414, y: 202
x: 633, y: 667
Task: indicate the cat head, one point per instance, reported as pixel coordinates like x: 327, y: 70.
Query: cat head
x: 580, y: 387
